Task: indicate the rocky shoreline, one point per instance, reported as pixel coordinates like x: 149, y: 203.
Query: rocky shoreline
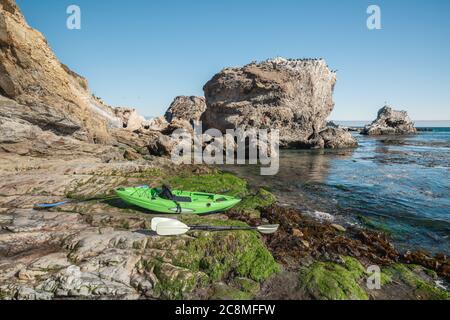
x: 94, y: 250
x: 58, y: 141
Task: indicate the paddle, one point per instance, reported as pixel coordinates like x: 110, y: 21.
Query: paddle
x: 172, y: 227
x: 157, y: 220
x: 58, y: 204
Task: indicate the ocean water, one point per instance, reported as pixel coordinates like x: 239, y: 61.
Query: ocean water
x: 400, y: 185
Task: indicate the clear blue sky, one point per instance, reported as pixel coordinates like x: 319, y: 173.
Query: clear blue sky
x: 143, y: 53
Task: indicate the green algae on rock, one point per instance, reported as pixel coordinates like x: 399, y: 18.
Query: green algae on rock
x: 247, y: 285
x: 175, y: 282
x: 331, y: 281
x: 251, y: 205
x: 221, y: 254
x: 422, y: 288
x: 225, y: 292
x: 217, y: 182
x: 203, y: 259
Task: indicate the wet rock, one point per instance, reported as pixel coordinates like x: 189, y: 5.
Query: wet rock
x: 421, y: 288
x: 331, y: 281
x: 338, y: 138
x: 226, y: 292
x: 390, y: 122
x: 297, y: 233
x: 440, y: 263
x: 325, y: 242
x: 247, y: 285
x: 305, y: 243
x: 339, y: 227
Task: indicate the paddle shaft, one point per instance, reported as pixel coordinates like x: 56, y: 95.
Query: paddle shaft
x: 221, y: 228
x: 58, y: 204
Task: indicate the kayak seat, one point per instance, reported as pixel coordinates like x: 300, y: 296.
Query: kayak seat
x: 167, y: 194
x: 182, y: 199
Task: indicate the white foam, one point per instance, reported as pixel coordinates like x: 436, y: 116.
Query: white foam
x: 323, y: 216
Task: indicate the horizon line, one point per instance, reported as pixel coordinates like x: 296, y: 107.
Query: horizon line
x: 372, y: 120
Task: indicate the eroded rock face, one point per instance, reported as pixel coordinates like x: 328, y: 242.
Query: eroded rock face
x: 186, y: 108
x: 390, y: 122
x: 47, y: 109
x: 293, y: 96
x: 50, y: 95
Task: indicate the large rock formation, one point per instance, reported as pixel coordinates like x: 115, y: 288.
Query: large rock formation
x: 293, y: 96
x: 53, y: 97
x: 45, y: 108
x: 186, y: 108
x: 390, y: 121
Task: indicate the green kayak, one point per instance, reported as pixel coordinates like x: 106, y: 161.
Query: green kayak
x: 175, y: 201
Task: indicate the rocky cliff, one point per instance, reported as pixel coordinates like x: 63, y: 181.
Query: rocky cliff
x: 46, y: 108
x: 390, y: 122
x: 50, y: 95
x: 293, y: 96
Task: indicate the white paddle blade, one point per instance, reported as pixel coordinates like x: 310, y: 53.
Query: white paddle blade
x: 269, y: 229
x: 171, y: 228
x: 157, y: 220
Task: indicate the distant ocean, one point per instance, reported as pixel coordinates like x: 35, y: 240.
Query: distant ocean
x: 398, y: 184
x: 419, y: 124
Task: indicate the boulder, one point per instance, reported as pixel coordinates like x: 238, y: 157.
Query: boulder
x: 337, y: 138
x: 186, y: 108
x: 131, y: 155
x: 160, y: 144
x: 390, y: 122
x: 131, y: 119
x: 293, y: 96
x: 155, y: 124
x: 178, y: 124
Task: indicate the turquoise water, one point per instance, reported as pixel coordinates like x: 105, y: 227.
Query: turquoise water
x: 400, y: 185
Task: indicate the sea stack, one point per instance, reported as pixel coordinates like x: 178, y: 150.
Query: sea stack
x: 293, y: 96
x: 390, y: 122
